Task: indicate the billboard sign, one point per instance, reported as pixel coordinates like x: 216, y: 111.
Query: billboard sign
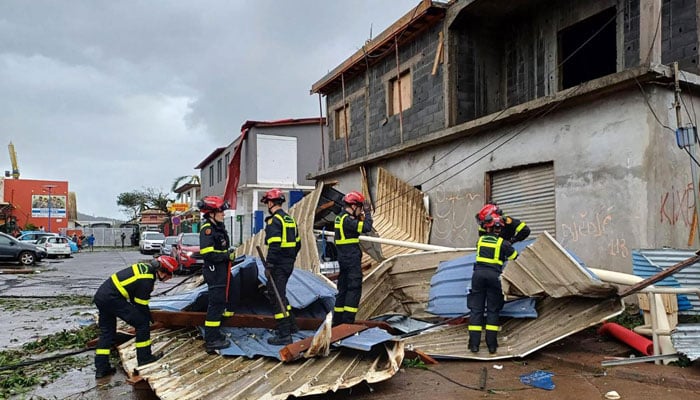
x: 40, y: 206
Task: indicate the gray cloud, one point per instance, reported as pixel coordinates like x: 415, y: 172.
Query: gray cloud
x: 115, y: 96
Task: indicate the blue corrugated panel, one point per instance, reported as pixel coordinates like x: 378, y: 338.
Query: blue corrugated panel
x: 686, y: 340
x: 366, y: 339
x: 251, y: 342
x: 644, y: 265
x: 449, y: 285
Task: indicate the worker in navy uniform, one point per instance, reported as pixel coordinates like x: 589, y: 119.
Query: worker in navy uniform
x: 283, y: 245
x: 486, y: 294
x: 514, y: 230
x: 125, y: 295
x: 354, y: 220
x: 214, y: 248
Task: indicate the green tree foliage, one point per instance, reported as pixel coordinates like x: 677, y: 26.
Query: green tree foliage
x: 132, y: 203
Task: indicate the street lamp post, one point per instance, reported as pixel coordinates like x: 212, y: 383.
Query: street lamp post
x: 49, y: 188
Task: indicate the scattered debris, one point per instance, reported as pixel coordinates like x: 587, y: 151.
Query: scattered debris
x: 497, y: 366
x: 539, y: 379
x: 612, y: 395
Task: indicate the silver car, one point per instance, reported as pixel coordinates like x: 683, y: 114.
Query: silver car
x: 167, y: 248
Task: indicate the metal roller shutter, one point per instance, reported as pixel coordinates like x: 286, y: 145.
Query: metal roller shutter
x: 528, y: 195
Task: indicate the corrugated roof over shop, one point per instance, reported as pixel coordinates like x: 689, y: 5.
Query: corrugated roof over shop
x: 647, y: 262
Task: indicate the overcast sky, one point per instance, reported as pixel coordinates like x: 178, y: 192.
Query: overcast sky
x: 114, y: 96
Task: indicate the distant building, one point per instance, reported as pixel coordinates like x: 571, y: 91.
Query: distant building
x: 152, y: 220
x: 36, y: 202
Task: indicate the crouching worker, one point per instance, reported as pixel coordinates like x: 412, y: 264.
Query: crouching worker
x: 486, y: 293
x: 125, y: 295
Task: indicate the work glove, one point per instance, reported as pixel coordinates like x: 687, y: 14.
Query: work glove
x: 232, y: 253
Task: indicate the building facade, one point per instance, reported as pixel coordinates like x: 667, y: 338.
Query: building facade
x: 560, y: 111
x: 41, y: 203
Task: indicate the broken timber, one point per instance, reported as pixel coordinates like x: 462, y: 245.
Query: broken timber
x: 661, y: 275
x: 295, y: 350
x: 172, y: 319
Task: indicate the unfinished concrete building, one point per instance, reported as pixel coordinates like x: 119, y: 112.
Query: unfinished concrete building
x: 564, y: 112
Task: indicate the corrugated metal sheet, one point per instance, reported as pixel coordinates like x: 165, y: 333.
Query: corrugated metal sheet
x: 187, y: 372
x: 686, y: 340
x: 401, y: 285
x: 545, y: 267
x: 400, y: 213
x: 527, y: 194
x: 303, y: 212
x: 645, y: 268
x: 688, y: 277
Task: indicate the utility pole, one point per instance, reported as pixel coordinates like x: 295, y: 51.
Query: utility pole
x: 691, y: 144
x: 49, y: 188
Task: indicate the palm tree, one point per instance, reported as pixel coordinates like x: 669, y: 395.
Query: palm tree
x: 194, y: 179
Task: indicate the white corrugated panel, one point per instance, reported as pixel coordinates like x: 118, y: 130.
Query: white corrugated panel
x: 528, y: 195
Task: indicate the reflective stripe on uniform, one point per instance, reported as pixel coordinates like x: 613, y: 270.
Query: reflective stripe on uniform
x: 227, y: 314
x: 102, y: 352
x: 493, y: 327
x: 139, y: 273
x: 520, y: 227
x: 211, y: 249
x: 338, y: 309
x: 339, y: 226
x: 145, y: 343
x: 288, y: 223
x: 350, y: 309
x: 474, y: 328
x: 140, y: 301
x: 488, y: 242
x: 280, y: 315
x: 212, y: 324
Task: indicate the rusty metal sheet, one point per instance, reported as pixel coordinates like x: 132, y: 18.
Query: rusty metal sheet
x: 546, y: 268
x: 186, y: 371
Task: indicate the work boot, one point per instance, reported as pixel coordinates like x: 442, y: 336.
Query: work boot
x: 102, y: 372
x: 152, y: 358
x: 474, y: 340
x: 217, y: 344
x: 492, y: 341
x: 279, y: 340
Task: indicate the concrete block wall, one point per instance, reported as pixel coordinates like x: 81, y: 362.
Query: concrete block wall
x: 371, y: 128
x: 679, y: 33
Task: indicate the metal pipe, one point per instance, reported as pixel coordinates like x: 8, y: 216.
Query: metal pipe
x: 401, y: 243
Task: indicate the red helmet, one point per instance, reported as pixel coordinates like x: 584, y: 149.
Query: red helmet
x: 275, y: 195
x: 486, y: 210
x: 166, y: 264
x: 212, y: 204
x: 492, y: 221
x: 354, y: 198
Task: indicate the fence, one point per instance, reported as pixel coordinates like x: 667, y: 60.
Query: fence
x: 106, y: 237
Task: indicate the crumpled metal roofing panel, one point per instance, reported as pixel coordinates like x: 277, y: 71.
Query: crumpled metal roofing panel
x: 545, y: 267
x: 688, y: 277
x: 186, y: 371
x: 686, y: 340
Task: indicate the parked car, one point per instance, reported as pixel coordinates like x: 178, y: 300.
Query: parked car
x: 25, y: 253
x: 33, y: 236
x: 55, y: 246
x: 166, y: 248
x: 186, y: 252
x: 150, y: 242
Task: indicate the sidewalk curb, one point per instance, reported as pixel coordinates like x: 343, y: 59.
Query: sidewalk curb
x: 658, y: 375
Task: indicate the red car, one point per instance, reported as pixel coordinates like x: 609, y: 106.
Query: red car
x: 186, y: 252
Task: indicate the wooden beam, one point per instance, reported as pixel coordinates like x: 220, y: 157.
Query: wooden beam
x: 438, y: 54
x: 174, y: 319
x: 661, y: 275
x: 295, y: 350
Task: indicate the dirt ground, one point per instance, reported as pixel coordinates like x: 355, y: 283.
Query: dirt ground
x: 574, y: 361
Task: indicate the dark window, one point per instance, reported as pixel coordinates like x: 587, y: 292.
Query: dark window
x: 211, y: 175
x: 227, y: 158
x: 218, y: 171
x: 596, y: 58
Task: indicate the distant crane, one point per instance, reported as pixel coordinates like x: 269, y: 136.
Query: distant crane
x: 13, y: 159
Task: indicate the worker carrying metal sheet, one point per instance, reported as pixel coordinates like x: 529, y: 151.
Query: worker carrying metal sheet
x: 485, y: 293
x: 354, y: 220
x: 283, y: 244
x: 125, y: 295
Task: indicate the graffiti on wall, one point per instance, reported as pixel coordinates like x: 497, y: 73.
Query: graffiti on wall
x: 677, y: 206
x: 595, y: 226
x: 452, y: 220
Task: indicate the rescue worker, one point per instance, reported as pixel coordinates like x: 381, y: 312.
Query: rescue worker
x: 354, y: 220
x: 514, y: 230
x: 125, y: 295
x: 214, y: 248
x: 283, y: 245
x: 485, y: 292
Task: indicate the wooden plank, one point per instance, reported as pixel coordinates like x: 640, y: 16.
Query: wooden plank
x: 438, y: 54
x: 172, y: 319
x: 415, y: 353
x: 661, y: 275
x: 295, y: 350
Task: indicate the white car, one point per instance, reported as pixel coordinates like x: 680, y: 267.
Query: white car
x: 151, y: 242
x: 55, y: 246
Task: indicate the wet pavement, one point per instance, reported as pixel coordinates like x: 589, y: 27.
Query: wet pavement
x: 30, y: 310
